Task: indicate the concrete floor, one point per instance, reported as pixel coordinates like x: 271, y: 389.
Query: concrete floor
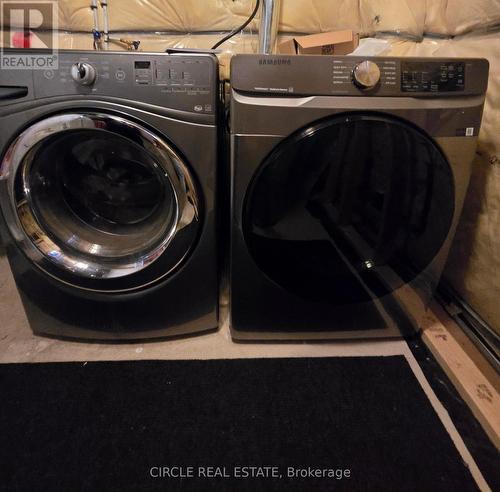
x: 18, y: 344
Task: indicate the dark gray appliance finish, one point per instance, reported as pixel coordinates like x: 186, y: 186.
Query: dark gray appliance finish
x: 343, y: 207
x: 107, y: 191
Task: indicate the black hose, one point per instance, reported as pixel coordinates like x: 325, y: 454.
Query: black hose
x: 238, y: 29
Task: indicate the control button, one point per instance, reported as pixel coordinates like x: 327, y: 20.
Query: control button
x: 366, y: 74
x: 83, y: 73
x: 120, y: 74
x: 174, y: 74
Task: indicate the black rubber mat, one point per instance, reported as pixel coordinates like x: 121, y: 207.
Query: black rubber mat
x: 362, y: 423
x: 477, y: 441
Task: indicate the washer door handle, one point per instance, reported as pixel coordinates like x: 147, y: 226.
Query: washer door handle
x: 12, y: 92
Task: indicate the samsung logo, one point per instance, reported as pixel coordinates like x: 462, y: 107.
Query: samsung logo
x: 275, y: 61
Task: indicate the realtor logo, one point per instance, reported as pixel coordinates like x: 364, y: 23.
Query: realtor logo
x: 30, y: 24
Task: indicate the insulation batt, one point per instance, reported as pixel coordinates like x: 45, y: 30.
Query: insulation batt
x: 447, y: 17
x: 455, y: 17
x: 409, y: 17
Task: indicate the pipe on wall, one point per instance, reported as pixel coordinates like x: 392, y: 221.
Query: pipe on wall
x: 268, y: 29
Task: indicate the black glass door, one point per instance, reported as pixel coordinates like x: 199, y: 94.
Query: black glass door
x: 349, y: 209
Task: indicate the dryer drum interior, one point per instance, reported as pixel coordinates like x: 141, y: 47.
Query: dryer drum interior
x: 349, y: 208
x: 100, y: 201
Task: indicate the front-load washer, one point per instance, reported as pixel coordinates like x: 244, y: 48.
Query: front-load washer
x: 107, y: 191
x: 348, y: 176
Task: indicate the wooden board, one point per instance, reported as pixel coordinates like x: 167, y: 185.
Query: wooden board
x: 474, y: 378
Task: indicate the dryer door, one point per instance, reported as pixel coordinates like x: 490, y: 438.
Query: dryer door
x: 99, y: 201
x: 349, y: 209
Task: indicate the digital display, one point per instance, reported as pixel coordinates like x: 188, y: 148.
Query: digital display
x: 432, y: 76
x: 142, y: 64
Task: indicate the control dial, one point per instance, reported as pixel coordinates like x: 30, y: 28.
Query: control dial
x: 83, y: 73
x: 366, y: 74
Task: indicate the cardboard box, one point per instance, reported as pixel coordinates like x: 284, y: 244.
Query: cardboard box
x: 325, y: 43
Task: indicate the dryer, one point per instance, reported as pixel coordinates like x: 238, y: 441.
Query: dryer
x: 348, y: 177
x: 107, y: 192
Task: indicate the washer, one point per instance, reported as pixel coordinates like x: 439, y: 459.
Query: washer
x: 348, y: 176
x: 107, y: 191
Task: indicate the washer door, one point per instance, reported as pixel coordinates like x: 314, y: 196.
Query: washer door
x: 349, y: 209
x: 99, y: 201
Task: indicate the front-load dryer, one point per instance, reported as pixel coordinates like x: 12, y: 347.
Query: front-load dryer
x: 348, y: 176
x: 107, y: 191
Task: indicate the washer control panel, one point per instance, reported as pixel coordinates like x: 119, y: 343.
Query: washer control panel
x: 184, y: 82
x: 311, y: 75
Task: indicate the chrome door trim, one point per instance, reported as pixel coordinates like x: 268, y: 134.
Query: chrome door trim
x: 34, y: 240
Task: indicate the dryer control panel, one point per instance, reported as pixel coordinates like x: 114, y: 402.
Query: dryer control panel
x: 430, y: 76
x: 305, y: 75
x: 183, y: 82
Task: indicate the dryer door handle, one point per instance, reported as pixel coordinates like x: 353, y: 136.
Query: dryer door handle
x: 12, y: 92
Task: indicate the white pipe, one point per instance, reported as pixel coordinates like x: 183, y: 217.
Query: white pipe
x: 268, y: 30
x: 95, y: 30
x: 93, y: 7
x: 104, y: 5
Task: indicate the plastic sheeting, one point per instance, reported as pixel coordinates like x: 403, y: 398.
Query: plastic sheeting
x: 208, y: 15
x: 404, y: 17
x: 455, y: 17
x: 407, y: 17
x: 306, y: 16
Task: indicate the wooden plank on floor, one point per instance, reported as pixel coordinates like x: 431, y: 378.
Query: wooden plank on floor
x: 475, y: 380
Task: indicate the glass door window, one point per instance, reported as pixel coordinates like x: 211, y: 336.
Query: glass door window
x: 99, y: 197
x: 350, y: 208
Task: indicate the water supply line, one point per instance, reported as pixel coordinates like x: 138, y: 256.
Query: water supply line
x: 102, y: 39
x: 268, y: 30
x: 96, y: 32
